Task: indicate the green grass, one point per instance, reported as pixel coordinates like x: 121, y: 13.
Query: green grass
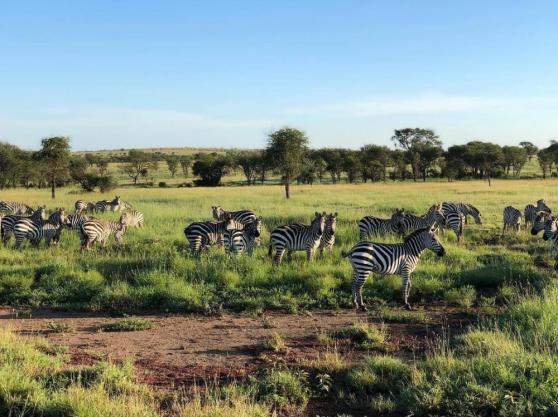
x: 128, y: 325
x: 363, y: 336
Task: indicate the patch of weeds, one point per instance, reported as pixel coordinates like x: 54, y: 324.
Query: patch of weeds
x: 58, y: 327
x: 275, y: 342
x: 284, y: 389
x: 364, y: 336
x: 463, y: 297
x: 395, y: 316
x: 128, y: 325
x: 268, y: 323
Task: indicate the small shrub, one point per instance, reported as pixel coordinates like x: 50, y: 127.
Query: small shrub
x: 393, y: 316
x: 128, y: 325
x: 284, y: 389
x: 463, y: 296
x: 275, y: 342
x: 363, y: 336
x: 162, y: 184
x: 58, y: 327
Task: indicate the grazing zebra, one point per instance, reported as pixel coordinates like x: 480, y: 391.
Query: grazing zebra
x: 83, y: 206
x: 12, y: 207
x: 455, y: 220
x: 531, y: 211
x: 133, y: 218
x: 100, y: 230
x: 239, y: 241
x: 8, y: 222
x: 297, y: 237
x: 433, y: 218
x: 328, y: 237
x: 75, y: 221
x: 465, y: 208
x: 36, y: 230
x: 550, y: 228
x: 374, y: 226
x: 202, y: 235
x: 112, y: 205
x: 390, y: 259
x: 512, y: 218
x: 539, y: 223
x: 242, y: 216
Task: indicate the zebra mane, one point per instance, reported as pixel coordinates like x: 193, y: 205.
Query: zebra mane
x: 415, y: 234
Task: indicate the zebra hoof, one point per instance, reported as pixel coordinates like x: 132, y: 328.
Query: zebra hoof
x: 408, y: 306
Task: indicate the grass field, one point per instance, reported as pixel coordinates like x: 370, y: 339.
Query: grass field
x: 505, y: 365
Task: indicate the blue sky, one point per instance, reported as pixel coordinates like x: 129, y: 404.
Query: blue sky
x: 114, y: 74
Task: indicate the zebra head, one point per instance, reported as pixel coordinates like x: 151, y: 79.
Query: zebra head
x: 39, y: 214
x: 397, y: 218
x: 318, y: 224
x: 331, y: 223
x: 540, y: 222
x: 541, y: 206
x: 437, y: 213
x: 217, y: 212
x: 473, y: 211
x: 550, y: 228
x: 430, y: 241
x: 254, y: 228
x: 29, y: 210
x: 117, y: 201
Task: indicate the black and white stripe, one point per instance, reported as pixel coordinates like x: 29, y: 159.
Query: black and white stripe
x: 433, y: 218
x: 242, y: 216
x: 455, y: 219
x: 37, y: 230
x: 539, y: 223
x: 75, y: 221
x: 8, y: 222
x: 202, y: 235
x: 328, y: 237
x: 551, y: 229
x: 390, y: 259
x: 531, y: 211
x: 83, y: 206
x: 243, y: 240
x: 370, y: 226
x: 465, y: 208
x: 15, y: 208
x: 297, y: 237
x: 133, y: 218
x: 108, y: 205
x: 512, y: 218
x: 95, y: 230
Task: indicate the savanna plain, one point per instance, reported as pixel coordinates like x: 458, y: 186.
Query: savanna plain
x: 144, y: 328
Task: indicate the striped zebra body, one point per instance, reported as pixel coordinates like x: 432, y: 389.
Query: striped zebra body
x: 75, y: 221
x: 455, y: 217
x: 530, y: 212
x: 94, y: 231
x: 133, y: 218
x: 465, y: 209
x: 328, y: 237
x: 15, y: 208
x: 370, y: 226
x: 539, y: 223
x: 433, y: 218
x: 512, y: 218
x: 8, y: 223
x: 550, y: 228
x: 108, y: 205
x: 242, y: 216
x: 202, y: 235
x: 238, y: 241
x: 37, y: 230
x: 390, y: 259
x: 83, y: 206
x: 297, y: 237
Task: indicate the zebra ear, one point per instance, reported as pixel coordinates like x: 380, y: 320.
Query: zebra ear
x: 316, y: 214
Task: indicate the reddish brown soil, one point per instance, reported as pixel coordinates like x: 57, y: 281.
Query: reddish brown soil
x: 183, y: 349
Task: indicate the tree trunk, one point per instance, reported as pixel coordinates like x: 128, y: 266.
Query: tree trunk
x: 488, y: 175
x: 287, y: 184
x: 53, y: 188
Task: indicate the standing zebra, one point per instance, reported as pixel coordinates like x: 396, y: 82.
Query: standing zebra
x: 242, y: 216
x: 455, y: 220
x: 550, y: 229
x: 328, y: 237
x: 239, y: 241
x: 99, y: 231
x: 8, y: 222
x: 12, y: 207
x: 390, y: 259
x: 531, y: 211
x: 297, y: 237
x: 75, y: 221
x: 133, y: 218
x: 83, y: 206
x: 512, y: 218
x: 36, y: 230
x: 112, y: 205
x: 539, y: 223
x: 433, y: 218
x: 201, y: 235
x: 374, y: 226
x: 465, y: 208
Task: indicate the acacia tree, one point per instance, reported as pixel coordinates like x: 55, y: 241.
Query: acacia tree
x: 422, y: 148
x: 286, y: 149
x: 172, y: 164
x: 55, y: 158
x: 530, y: 149
x: 248, y: 161
x: 185, y: 164
x: 138, y: 163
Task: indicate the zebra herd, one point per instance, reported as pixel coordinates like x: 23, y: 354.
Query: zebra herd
x: 25, y: 223
x: 538, y: 216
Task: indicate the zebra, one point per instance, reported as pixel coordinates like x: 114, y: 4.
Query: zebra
x: 455, y: 220
x: 539, y: 223
x: 133, y: 218
x: 374, y: 226
x: 297, y: 237
x: 512, y: 218
x: 84, y: 206
x: 8, y: 222
x: 550, y: 228
x: 390, y: 259
x: 239, y: 241
x: 465, y: 208
x: 75, y: 221
x: 242, y: 216
x: 328, y: 237
x: 531, y: 211
x: 36, y: 230
x: 15, y: 208
x: 100, y: 230
x: 201, y: 235
x: 434, y: 217
x: 112, y: 205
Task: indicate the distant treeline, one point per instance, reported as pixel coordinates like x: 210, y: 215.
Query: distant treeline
x: 418, y: 155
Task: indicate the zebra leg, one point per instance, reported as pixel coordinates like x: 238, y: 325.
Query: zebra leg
x: 289, y: 255
x: 358, y: 282
x: 406, y: 288
x: 309, y: 255
x: 279, y: 252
